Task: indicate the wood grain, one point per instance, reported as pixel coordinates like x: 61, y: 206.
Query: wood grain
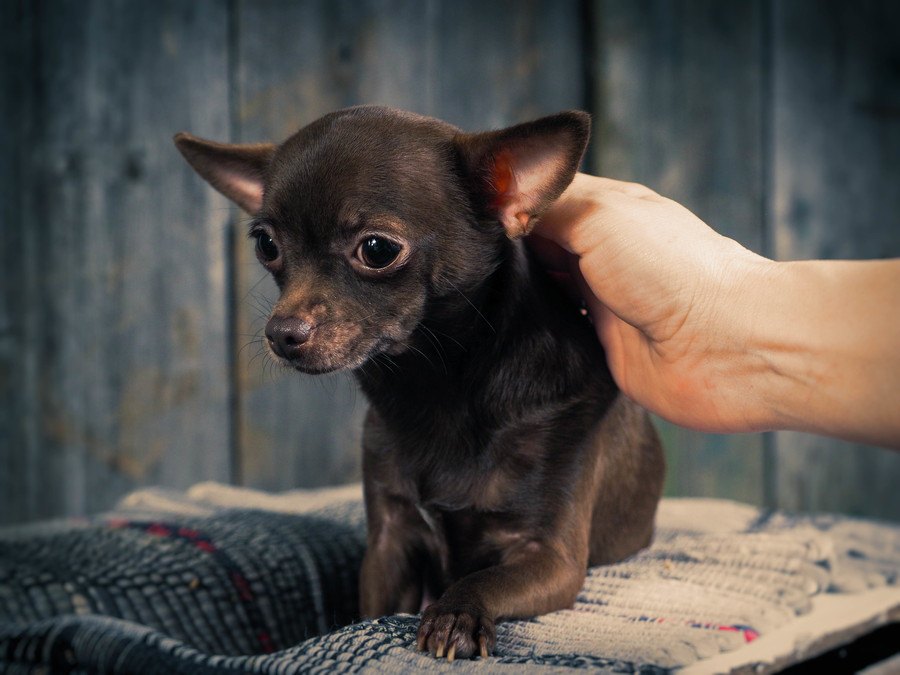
x: 20, y: 484
x: 121, y: 317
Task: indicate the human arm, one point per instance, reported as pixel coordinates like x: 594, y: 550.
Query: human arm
x: 711, y: 336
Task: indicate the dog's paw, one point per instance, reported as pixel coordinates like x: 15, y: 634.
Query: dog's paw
x: 456, y: 631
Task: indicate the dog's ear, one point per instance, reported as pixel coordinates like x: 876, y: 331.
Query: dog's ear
x: 237, y: 171
x: 516, y: 173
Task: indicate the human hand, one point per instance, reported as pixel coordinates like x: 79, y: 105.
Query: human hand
x: 713, y: 337
x: 666, y: 294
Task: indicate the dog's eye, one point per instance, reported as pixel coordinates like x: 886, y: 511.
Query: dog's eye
x: 266, y: 248
x: 378, y: 252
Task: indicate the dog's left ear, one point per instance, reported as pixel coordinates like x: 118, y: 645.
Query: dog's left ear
x: 516, y: 173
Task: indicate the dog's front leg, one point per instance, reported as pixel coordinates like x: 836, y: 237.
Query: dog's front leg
x: 391, y: 579
x: 533, y: 579
x: 393, y: 570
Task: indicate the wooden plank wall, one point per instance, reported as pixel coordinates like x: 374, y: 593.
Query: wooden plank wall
x: 131, y: 304
x: 113, y: 286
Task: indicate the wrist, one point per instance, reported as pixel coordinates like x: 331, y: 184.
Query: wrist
x: 828, y: 352
x: 779, y: 342
x: 756, y: 353
x: 727, y: 375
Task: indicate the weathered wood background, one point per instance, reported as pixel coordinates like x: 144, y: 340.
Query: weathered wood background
x: 131, y: 303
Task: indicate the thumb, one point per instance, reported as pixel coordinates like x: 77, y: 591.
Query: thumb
x: 564, y: 221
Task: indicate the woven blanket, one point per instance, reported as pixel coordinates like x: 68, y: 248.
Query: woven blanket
x: 228, y: 580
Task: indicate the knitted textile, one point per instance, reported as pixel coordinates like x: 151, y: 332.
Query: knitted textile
x: 221, y: 579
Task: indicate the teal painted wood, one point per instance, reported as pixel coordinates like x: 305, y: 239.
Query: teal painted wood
x: 836, y: 172
x: 19, y: 492
x: 475, y: 64
x: 679, y: 101
x: 500, y: 63
x: 114, y: 325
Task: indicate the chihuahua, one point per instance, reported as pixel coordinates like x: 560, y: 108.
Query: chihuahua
x: 499, y: 458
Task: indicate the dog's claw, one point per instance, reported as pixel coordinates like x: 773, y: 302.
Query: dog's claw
x: 455, y: 632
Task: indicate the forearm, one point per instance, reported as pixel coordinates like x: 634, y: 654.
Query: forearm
x: 825, y: 341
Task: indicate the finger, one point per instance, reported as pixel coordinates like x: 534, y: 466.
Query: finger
x: 583, y: 213
x: 565, y: 217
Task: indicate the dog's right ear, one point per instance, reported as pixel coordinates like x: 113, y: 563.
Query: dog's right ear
x: 237, y: 171
x: 517, y: 172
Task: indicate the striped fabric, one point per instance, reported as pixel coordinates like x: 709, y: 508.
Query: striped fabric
x: 220, y: 580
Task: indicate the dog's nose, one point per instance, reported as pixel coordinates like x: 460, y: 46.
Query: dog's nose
x: 286, y: 335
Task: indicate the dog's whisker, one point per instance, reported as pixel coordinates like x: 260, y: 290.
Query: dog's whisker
x: 376, y: 360
x: 376, y: 363
x: 472, y: 304
x: 257, y: 283
x: 437, y: 345
x: 385, y: 362
x: 257, y: 343
x: 437, y: 340
x: 260, y: 303
x: 443, y: 334
x: 425, y: 356
x: 270, y: 368
x: 260, y: 353
x: 390, y: 363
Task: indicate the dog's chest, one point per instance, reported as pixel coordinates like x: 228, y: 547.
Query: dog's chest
x: 454, y: 469
x: 451, y: 482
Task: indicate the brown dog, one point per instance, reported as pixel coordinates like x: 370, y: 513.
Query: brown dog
x: 499, y: 459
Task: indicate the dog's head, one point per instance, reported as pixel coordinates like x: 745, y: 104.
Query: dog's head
x: 369, y: 214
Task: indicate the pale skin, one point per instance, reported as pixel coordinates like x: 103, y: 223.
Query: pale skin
x: 711, y: 336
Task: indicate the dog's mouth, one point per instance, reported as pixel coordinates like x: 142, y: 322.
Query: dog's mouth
x: 311, y: 370
x: 322, y: 356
